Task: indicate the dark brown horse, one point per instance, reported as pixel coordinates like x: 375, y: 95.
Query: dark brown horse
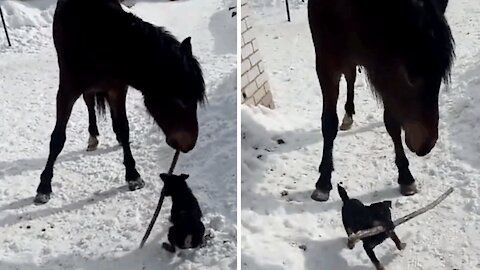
x: 102, y: 49
x: 406, y: 49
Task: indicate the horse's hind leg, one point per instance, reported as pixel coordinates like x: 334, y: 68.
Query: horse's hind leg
x: 92, y: 121
x: 66, y: 98
x: 115, y: 128
x: 405, y: 178
x: 116, y: 99
x: 329, y: 80
x: 350, y: 76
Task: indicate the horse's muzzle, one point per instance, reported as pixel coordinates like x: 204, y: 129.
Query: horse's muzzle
x: 182, y: 141
x: 419, y: 140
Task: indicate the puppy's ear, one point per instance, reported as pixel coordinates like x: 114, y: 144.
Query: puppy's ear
x: 388, y: 204
x: 186, y: 47
x: 164, y: 177
x: 184, y: 176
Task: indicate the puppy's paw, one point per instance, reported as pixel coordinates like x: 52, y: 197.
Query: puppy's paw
x: 168, y: 247
x: 350, y: 244
x: 402, y: 246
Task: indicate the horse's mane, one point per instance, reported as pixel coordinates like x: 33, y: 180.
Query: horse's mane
x: 432, y: 27
x: 431, y: 44
x: 414, y: 32
x: 160, y: 42
x: 165, y: 41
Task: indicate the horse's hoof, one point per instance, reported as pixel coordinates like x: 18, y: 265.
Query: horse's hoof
x: 346, y: 123
x: 41, y: 198
x: 92, y: 143
x: 320, y: 196
x: 136, y: 184
x: 402, y: 246
x: 408, y: 190
x: 91, y: 148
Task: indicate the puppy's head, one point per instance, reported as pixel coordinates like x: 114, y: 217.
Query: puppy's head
x: 387, y: 204
x: 173, y: 183
x: 381, y: 211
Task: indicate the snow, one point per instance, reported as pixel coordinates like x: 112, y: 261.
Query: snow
x: 273, y: 227
x: 92, y: 221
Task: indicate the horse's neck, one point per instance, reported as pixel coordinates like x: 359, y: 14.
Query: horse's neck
x: 149, y: 57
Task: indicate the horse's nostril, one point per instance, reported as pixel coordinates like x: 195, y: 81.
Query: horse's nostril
x: 412, y: 140
x: 181, y: 141
x: 426, y: 147
x: 419, y: 139
x: 432, y: 144
x: 172, y: 143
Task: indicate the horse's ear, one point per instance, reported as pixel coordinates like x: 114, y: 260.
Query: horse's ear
x: 184, y: 176
x: 186, y: 46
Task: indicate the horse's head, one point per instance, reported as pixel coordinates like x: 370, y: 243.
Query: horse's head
x: 175, y: 108
x: 426, y: 63
x: 413, y: 103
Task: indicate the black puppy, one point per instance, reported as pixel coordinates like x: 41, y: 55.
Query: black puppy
x: 356, y: 216
x: 187, y: 230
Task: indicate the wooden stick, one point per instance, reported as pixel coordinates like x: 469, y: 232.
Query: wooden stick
x: 5, y: 28
x: 234, y: 13
x: 160, y: 202
x: 174, y: 162
x: 288, y: 10
x: 354, y: 238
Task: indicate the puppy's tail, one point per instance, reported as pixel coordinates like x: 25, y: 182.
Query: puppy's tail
x: 343, y: 193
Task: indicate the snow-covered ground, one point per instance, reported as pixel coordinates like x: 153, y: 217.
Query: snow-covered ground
x: 92, y: 222
x: 275, y: 226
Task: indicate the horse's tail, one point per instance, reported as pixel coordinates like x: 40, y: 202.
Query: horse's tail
x: 343, y: 193
x: 100, y: 100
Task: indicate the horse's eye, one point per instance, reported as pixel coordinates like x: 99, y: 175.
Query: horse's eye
x: 182, y: 104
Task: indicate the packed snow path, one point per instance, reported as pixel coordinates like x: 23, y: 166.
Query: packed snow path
x: 291, y: 231
x: 92, y: 221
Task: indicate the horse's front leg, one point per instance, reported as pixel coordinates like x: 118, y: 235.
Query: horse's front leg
x: 405, y: 178
x: 116, y: 99
x: 66, y: 98
x: 329, y: 82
